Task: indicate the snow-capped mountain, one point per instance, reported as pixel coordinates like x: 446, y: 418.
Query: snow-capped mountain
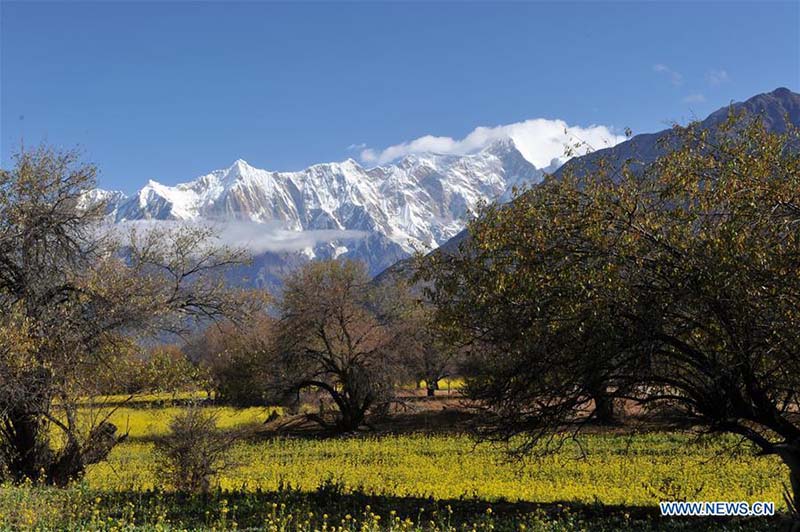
x: 378, y: 215
x: 778, y: 110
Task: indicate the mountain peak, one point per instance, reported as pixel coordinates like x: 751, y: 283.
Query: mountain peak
x: 782, y: 92
x: 501, y: 146
x: 774, y: 108
x: 241, y: 165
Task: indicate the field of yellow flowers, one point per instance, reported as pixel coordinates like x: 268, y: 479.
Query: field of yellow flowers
x: 403, y: 482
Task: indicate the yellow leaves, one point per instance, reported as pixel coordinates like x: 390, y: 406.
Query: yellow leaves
x: 17, y: 341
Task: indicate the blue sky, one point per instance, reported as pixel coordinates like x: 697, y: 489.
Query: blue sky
x: 173, y: 90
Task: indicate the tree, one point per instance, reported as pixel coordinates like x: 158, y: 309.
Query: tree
x: 167, y: 369
x: 72, y: 296
x: 134, y: 369
x: 342, y: 335
x: 430, y: 355
x: 675, y: 286
x: 239, y: 360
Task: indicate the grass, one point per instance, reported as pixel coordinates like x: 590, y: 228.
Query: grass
x: 612, y: 481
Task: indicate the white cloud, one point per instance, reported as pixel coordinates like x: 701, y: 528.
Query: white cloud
x: 539, y: 140
x: 359, y: 146
x: 676, y: 78
x: 259, y: 237
x: 694, y: 98
x: 255, y: 237
x: 717, y: 77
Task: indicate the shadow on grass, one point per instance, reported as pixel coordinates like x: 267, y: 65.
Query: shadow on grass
x: 432, y: 421
x: 330, y: 504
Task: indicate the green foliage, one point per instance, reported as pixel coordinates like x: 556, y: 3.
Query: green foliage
x: 673, y: 286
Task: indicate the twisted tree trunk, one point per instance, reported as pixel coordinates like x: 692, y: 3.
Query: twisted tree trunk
x: 604, y: 409
x: 72, y: 461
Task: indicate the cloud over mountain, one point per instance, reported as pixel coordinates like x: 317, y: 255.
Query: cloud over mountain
x: 540, y: 140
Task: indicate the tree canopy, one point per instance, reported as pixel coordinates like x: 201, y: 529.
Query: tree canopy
x: 675, y: 286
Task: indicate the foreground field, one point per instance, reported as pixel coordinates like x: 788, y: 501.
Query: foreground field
x: 608, y: 482
x: 617, y: 470
x: 326, y: 508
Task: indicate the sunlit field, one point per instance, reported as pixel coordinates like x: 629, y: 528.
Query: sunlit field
x: 415, y: 481
x: 616, y: 469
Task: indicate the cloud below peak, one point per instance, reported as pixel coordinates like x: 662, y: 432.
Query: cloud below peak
x: 539, y: 140
x: 257, y: 238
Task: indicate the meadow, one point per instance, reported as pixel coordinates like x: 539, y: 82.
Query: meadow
x: 428, y: 480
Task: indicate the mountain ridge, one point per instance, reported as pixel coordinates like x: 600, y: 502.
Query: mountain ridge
x: 776, y: 108
x: 382, y: 214
x: 416, y: 203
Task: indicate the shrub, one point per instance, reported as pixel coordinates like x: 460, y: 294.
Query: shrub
x: 194, y: 451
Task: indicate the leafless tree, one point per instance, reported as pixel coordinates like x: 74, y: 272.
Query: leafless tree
x: 239, y: 360
x: 194, y: 451
x: 342, y: 335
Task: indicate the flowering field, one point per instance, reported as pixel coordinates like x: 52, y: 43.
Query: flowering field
x: 618, y: 470
x: 371, y: 482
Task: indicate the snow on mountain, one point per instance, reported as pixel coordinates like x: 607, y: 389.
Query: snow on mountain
x: 778, y: 110
x: 418, y: 202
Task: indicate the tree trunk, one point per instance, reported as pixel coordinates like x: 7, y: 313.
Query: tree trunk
x: 604, y: 408
x: 351, y: 419
x: 294, y: 404
x: 30, y: 456
x: 433, y: 385
x: 27, y: 453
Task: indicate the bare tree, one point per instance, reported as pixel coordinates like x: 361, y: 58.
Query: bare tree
x: 342, y: 335
x: 72, y: 294
x: 240, y: 360
x: 194, y: 451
